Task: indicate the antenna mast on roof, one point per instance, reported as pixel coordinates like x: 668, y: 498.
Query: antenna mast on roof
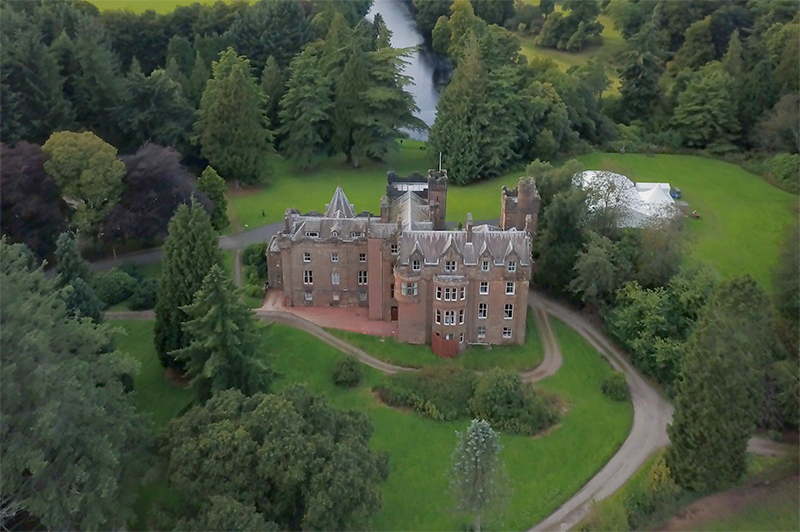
x: 440, y: 161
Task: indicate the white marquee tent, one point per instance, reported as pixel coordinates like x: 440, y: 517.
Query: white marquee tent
x: 640, y: 203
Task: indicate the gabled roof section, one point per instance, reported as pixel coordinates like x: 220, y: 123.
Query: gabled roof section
x: 340, y: 206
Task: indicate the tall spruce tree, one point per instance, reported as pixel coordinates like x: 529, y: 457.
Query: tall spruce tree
x: 719, y: 392
x: 351, y: 109
x: 196, y: 84
x: 232, y: 126
x: 640, y: 76
x: 224, y: 346
x: 273, y: 84
x: 74, y: 279
x: 213, y: 186
x: 190, y: 251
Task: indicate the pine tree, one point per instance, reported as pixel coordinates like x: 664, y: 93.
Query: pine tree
x: 196, y: 84
x: 477, y: 475
x: 69, y: 263
x: 350, y: 109
x: 190, y: 251
x: 224, y: 345
x: 698, y: 48
x: 306, y: 108
x: 273, y: 84
x: 719, y: 393
x: 706, y: 112
x: 213, y: 186
x: 181, y: 51
x: 232, y: 127
x: 82, y: 301
x: 640, y: 76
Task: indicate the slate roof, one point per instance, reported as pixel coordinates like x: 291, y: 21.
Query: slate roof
x: 409, y: 210
x: 496, y: 245
x: 340, y: 206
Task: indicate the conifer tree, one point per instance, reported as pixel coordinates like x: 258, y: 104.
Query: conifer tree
x: 640, y: 76
x: 69, y: 263
x: 196, y: 84
x: 697, y: 49
x: 706, y: 112
x: 273, y: 84
x: 232, y: 126
x: 74, y: 280
x: 350, y: 109
x: 719, y: 392
x: 477, y: 474
x: 190, y: 251
x: 224, y: 346
x: 213, y: 186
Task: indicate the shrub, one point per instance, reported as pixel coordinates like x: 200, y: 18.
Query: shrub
x: 253, y: 290
x: 255, y: 255
x: 131, y: 268
x: 607, y: 514
x: 436, y: 392
x: 347, y: 372
x: 502, y: 400
x: 785, y: 169
x: 615, y: 387
x: 114, y: 286
x: 144, y: 295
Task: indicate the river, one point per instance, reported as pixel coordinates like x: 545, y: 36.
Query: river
x: 423, y: 67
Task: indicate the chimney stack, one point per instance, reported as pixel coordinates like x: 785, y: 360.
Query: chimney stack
x: 469, y: 227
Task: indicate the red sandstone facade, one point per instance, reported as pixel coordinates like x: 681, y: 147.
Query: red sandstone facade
x: 446, y: 288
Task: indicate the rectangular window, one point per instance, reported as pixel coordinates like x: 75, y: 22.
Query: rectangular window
x: 362, y: 295
x: 356, y: 234
x: 334, y: 257
x: 461, y: 338
x: 508, y: 311
x: 312, y: 234
x: 439, y: 293
x: 461, y: 317
x: 484, y: 288
x: 362, y: 277
x: 335, y: 278
x: 448, y: 336
x: 362, y: 257
x: 449, y: 265
x: 415, y: 265
x: 512, y: 265
x: 306, y: 257
x: 463, y: 293
x: 308, y: 277
x: 506, y: 332
x: 481, y: 332
x: 510, y: 288
x: 393, y: 249
x: 449, y: 317
x: 438, y: 316
x: 449, y: 294
x: 409, y: 289
x: 309, y: 296
x: 485, y: 266
x: 483, y: 310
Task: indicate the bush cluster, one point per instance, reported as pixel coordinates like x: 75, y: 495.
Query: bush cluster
x: 785, y: 169
x: 144, y: 295
x: 615, y: 387
x: 347, y: 372
x: 450, y: 392
x: 114, y: 286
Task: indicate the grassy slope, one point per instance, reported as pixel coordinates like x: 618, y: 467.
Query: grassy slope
x: 544, y: 471
x: 479, y: 358
x: 775, y: 513
x: 743, y: 217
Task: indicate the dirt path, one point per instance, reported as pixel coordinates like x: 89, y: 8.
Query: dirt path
x: 237, y: 267
x: 552, y: 353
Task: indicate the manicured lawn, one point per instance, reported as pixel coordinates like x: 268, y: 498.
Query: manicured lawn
x: 513, y: 357
x: 743, y: 218
x: 139, y: 6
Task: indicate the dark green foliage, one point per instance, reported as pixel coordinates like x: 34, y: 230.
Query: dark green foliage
x: 615, y: 387
x: 276, y: 28
x: 291, y: 458
x: 427, y: 12
x: 784, y: 168
x: 706, y: 112
x: 347, y: 372
x: 574, y: 31
x: 190, y: 251
x: 273, y: 83
x: 113, y: 286
x: 779, y: 129
x: 441, y: 393
x: 144, y: 295
x: 232, y: 126
x: 223, y: 512
x: 196, y: 84
x: 601, y: 268
x: 213, y: 186
x: 697, y: 49
x: 639, y: 76
x: 560, y: 239
x: 719, y: 392
x: 508, y: 405
x: 32, y: 211
x: 82, y: 301
x: 180, y: 50
x: 254, y: 257
x: 786, y: 282
x: 69, y: 263
x: 73, y: 445
x: 493, y: 11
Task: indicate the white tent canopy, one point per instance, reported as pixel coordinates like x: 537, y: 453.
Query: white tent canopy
x: 639, y: 203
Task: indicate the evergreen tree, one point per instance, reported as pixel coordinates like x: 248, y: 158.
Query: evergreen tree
x: 276, y: 28
x: 181, y: 51
x: 232, y: 127
x: 73, y: 445
x: 758, y: 90
x: 427, y: 13
x: 350, y: 109
x: 273, y: 84
x: 74, y: 278
x: 69, y: 263
x: 477, y: 473
x: 213, y: 186
x: 719, y: 393
x: 190, y: 251
x: 82, y: 301
x: 600, y: 270
x: 196, y: 84
x: 698, y: 48
x: 561, y: 239
x: 33, y: 75
x: 306, y: 108
x: 706, y: 112
x: 224, y: 346
x: 640, y: 75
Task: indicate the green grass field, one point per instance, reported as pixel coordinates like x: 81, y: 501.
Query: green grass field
x: 743, y: 218
x: 543, y: 471
x: 480, y: 358
x: 139, y: 6
x: 777, y: 512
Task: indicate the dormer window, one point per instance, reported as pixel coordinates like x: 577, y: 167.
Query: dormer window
x: 312, y: 234
x: 306, y: 257
x: 512, y: 265
x: 393, y: 249
x: 356, y: 234
x: 485, y: 265
x: 449, y: 265
x: 416, y: 265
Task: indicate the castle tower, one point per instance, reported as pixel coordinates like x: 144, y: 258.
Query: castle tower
x: 517, y: 204
x: 437, y: 198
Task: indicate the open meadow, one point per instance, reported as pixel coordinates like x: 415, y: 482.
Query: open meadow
x: 544, y: 471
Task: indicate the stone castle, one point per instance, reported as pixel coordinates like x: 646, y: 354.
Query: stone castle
x: 449, y: 289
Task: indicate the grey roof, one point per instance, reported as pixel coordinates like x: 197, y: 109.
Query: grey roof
x: 340, y: 206
x: 498, y: 245
x: 409, y: 210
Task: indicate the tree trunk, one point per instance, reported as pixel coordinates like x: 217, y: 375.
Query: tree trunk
x: 478, y: 522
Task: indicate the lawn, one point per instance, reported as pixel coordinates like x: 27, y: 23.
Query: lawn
x: 743, y: 218
x: 139, y: 6
x: 543, y: 471
x: 480, y: 358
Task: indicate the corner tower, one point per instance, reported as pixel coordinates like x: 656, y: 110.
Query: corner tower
x: 517, y: 204
x: 437, y: 198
